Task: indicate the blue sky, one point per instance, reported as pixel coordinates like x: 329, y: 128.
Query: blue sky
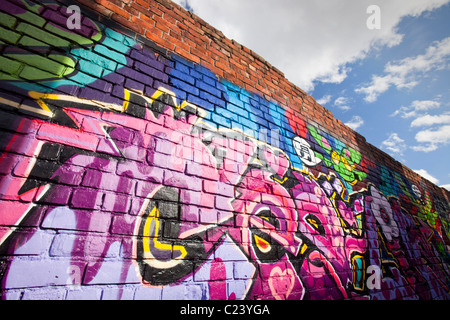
x: 409, y: 120
x: 390, y: 84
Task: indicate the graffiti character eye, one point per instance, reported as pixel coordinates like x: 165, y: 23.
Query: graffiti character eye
x: 263, y: 245
x: 266, y: 249
x: 268, y: 216
x: 314, y: 221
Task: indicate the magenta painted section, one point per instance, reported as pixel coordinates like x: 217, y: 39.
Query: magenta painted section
x: 135, y: 174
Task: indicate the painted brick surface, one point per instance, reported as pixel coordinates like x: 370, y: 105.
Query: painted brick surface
x: 145, y: 156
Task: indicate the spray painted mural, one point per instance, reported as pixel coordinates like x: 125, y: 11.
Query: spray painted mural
x: 130, y: 173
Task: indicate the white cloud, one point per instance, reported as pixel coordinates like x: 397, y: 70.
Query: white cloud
x: 427, y: 120
x: 425, y: 148
x: 355, y: 122
x: 309, y: 40
x: 446, y: 186
x: 424, y: 173
x: 342, y: 103
x: 432, y: 138
x: 440, y: 135
x: 344, y: 108
x: 415, y: 108
x: 378, y: 85
x: 394, y: 144
x: 324, y: 100
x: 406, y: 73
x: 423, y: 105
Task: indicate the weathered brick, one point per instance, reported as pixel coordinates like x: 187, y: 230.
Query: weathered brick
x: 135, y: 75
x: 9, y: 36
x: 148, y: 59
x: 102, y: 62
x: 110, y: 54
x: 151, y: 71
x: 123, y: 224
x: 180, y: 180
x: 9, y: 66
x: 7, y: 20
x: 45, y: 273
x: 84, y: 294
x: 87, y: 198
x: 185, y: 87
x: 222, y: 121
x: 116, y: 202
x: 182, y: 76
x: 208, y: 88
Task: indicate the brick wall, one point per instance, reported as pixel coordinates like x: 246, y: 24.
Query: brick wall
x: 146, y: 156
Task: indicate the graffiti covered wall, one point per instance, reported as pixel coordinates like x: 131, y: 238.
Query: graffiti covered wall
x: 180, y: 165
